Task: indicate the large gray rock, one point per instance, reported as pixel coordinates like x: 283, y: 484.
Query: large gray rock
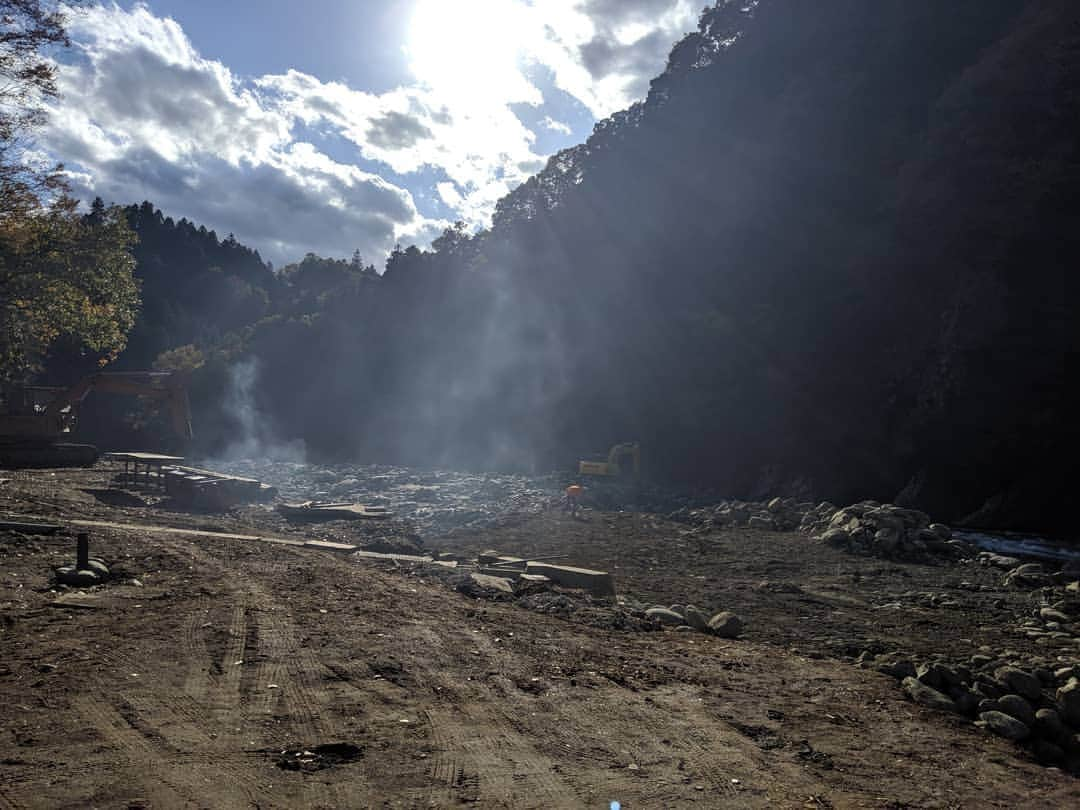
x: 726, y: 624
x: 927, y: 696
x: 941, y: 530
x: 900, y: 668
x: 1029, y: 575
x: 1048, y: 725
x: 1068, y: 698
x: 761, y: 522
x: 1016, y: 706
x: 69, y: 575
x: 696, y: 619
x: 836, y: 537
x: 1005, y: 725
x: 664, y: 616
x: 937, y: 676
x: 967, y: 702
x: 1023, y: 683
x: 886, y: 540
x: 1051, y: 615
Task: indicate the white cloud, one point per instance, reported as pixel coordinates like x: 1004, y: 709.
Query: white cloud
x: 144, y: 116
x: 555, y: 126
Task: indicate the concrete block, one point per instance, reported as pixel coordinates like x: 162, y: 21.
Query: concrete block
x: 598, y: 583
x: 498, y: 571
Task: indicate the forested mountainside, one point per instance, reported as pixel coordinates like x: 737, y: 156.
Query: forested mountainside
x: 827, y: 256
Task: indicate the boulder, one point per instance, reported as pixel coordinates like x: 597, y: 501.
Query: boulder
x: 696, y: 618
x: 967, y: 702
x: 1051, y: 615
x: 1029, y: 575
x: 941, y: 530
x: 927, y: 696
x: 1005, y: 725
x: 901, y: 668
x: 761, y: 522
x: 937, y: 676
x: 69, y: 575
x: 726, y: 624
x: 1068, y: 698
x: 1048, y: 725
x: 838, y: 538
x: 1023, y: 683
x: 98, y: 567
x: 886, y: 540
x: 664, y: 616
x: 1016, y: 706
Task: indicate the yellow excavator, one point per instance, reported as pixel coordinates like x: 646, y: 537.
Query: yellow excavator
x: 613, y: 466
x: 35, y: 419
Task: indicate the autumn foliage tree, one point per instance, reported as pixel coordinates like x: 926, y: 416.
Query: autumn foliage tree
x: 62, y: 274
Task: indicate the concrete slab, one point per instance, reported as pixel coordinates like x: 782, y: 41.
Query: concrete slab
x: 598, y: 583
x: 505, y: 573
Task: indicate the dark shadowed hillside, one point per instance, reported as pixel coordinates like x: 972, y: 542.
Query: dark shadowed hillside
x: 826, y: 256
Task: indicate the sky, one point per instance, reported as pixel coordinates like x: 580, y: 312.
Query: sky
x: 333, y: 126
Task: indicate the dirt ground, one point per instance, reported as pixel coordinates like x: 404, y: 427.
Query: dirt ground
x: 211, y: 670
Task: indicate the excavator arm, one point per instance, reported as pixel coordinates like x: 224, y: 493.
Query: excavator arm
x: 164, y: 386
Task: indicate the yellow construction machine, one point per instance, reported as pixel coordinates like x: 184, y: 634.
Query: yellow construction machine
x: 35, y: 419
x: 613, y: 465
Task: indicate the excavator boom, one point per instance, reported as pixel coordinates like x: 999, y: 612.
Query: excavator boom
x: 36, y: 418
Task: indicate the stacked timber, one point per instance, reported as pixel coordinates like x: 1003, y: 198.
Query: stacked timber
x: 206, y: 489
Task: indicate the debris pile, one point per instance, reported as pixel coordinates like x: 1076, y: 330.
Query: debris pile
x: 435, y: 502
x: 868, y: 527
x: 776, y: 515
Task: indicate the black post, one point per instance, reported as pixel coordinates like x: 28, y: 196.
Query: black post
x: 82, y: 552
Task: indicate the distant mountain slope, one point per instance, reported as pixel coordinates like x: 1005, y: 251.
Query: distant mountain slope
x: 828, y: 255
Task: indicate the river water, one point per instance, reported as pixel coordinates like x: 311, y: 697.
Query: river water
x: 1020, y: 545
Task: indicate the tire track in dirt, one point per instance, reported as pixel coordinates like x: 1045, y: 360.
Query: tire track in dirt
x: 195, y: 652
x: 170, y: 723
x: 491, y: 760
x: 130, y: 745
x: 263, y: 636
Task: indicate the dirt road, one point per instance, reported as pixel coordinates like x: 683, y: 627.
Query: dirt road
x: 213, y: 663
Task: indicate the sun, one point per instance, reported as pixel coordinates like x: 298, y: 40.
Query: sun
x: 469, y: 50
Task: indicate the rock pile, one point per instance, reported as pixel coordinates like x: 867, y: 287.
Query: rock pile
x: 776, y: 515
x: 868, y: 527
x: 724, y: 624
x: 1034, y: 706
x: 885, y: 530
